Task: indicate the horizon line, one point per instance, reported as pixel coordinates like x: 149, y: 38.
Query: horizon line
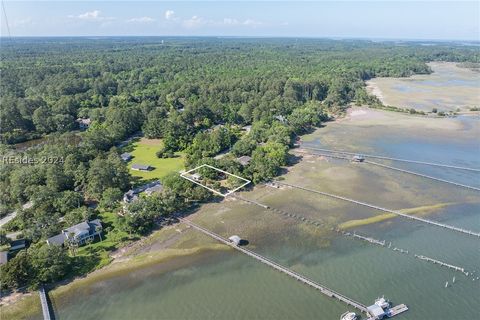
x: 244, y: 36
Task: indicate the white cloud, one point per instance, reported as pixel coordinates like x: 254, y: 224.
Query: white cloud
x: 252, y: 23
x: 195, y: 22
x: 94, y: 15
x: 141, y: 20
x: 199, y: 22
x: 170, y: 15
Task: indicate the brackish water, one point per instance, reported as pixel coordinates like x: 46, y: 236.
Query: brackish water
x: 228, y: 285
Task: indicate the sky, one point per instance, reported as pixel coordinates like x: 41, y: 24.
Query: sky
x: 442, y: 20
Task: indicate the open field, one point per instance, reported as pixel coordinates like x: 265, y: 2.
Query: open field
x: 449, y: 87
x: 144, y: 152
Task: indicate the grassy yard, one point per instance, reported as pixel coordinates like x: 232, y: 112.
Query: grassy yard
x: 97, y: 254
x: 144, y: 152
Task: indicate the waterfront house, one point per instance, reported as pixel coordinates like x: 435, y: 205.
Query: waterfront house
x: 126, y: 156
x: 78, y: 233
x: 141, y: 167
x: 149, y: 188
x: 154, y: 187
x: 244, y: 160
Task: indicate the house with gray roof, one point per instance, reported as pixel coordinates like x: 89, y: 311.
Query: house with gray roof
x: 126, y: 156
x: 3, y: 257
x: 154, y: 188
x: 244, y: 160
x: 141, y: 167
x: 84, y: 123
x: 78, y: 233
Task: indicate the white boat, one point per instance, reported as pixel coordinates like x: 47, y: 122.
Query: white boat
x: 382, y: 303
x: 349, y: 316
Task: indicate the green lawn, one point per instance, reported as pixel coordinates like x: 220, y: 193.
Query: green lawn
x: 144, y: 152
x: 97, y: 254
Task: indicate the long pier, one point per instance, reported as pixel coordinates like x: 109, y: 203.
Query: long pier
x: 411, y: 217
x: 396, y: 169
x: 443, y: 264
x: 326, y: 291
x: 394, y: 159
x: 424, y: 176
x: 45, y: 305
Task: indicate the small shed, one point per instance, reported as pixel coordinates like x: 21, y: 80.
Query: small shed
x: 236, y: 240
x: 358, y: 158
x: 196, y: 176
x: 141, y: 167
x: 376, y: 311
x: 126, y: 156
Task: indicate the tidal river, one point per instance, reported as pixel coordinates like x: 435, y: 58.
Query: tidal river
x: 224, y: 284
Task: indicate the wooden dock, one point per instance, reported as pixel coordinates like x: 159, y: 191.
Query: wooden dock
x: 393, y: 311
x: 392, y: 159
x: 411, y: 217
x: 443, y: 264
x: 326, y: 291
x: 46, y: 311
x: 395, y: 169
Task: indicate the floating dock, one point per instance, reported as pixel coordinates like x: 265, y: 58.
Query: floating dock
x: 397, y: 310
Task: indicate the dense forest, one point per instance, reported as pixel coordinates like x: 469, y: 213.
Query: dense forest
x: 195, y: 94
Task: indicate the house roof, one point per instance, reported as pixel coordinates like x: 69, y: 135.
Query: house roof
x: 244, y: 160
x: 235, y: 239
x: 78, y: 229
x: 59, y: 239
x: 85, y: 121
x: 140, y: 166
x: 3, y: 257
x: 376, y: 311
x: 18, y: 244
x: 155, y: 188
x: 126, y: 156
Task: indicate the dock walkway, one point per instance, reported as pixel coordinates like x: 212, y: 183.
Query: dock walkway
x: 393, y: 159
x: 395, y: 169
x: 411, y: 217
x: 45, y: 306
x: 328, y: 292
